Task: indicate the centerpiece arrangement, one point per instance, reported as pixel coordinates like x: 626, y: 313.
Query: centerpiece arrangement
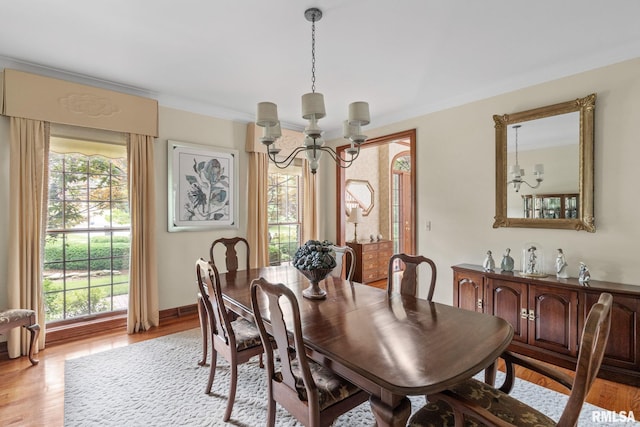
x: 315, y: 259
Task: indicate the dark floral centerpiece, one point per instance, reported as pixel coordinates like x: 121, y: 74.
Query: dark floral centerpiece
x: 315, y: 259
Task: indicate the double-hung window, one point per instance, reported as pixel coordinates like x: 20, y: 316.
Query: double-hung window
x: 284, y: 212
x: 87, y: 240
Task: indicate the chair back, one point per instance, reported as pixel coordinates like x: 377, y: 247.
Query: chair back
x: 231, y: 253
x: 209, y: 285
x: 409, y: 279
x: 592, y: 346
x: 292, y: 353
x: 345, y: 256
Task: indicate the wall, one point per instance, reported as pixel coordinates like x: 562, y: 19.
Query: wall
x: 178, y: 251
x: 456, y: 176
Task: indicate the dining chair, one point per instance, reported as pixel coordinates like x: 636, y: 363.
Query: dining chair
x: 231, y: 245
x: 495, y: 407
x: 345, y: 256
x: 312, y: 393
x: 237, y: 341
x: 231, y: 264
x: 409, y: 277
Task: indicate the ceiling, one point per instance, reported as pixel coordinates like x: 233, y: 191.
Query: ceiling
x: 405, y: 57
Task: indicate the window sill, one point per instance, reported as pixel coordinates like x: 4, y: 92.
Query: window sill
x: 62, y: 333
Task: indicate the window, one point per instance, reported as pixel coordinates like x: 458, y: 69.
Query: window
x: 87, y: 240
x: 284, y: 212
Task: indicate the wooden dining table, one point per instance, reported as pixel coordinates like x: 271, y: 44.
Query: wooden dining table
x: 392, y: 347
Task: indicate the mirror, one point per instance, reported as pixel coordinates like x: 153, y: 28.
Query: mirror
x: 544, y: 167
x: 383, y: 171
x: 358, y: 193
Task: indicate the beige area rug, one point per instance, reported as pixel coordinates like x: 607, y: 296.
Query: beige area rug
x: 159, y: 383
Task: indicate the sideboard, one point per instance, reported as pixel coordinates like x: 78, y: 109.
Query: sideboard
x: 372, y: 260
x: 548, y: 315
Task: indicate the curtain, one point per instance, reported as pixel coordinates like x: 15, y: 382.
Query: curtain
x: 143, y: 281
x: 29, y: 141
x: 310, y: 227
x: 257, y: 212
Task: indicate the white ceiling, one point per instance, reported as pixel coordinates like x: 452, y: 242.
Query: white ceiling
x: 405, y: 57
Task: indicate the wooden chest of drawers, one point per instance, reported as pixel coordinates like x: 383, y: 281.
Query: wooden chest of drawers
x: 372, y: 260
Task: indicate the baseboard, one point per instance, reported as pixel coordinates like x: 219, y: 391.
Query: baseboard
x: 66, y: 332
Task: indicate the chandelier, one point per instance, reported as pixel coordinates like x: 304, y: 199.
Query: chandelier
x: 517, y: 173
x: 313, y: 110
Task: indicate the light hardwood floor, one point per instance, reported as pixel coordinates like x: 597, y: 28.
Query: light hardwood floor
x: 34, y: 395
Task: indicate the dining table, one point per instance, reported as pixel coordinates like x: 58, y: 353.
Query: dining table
x: 390, y: 346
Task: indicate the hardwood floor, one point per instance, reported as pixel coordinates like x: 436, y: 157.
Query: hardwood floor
x: 34, y: 395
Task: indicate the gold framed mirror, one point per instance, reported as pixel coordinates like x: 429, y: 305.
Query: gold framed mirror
x: 544, y: 166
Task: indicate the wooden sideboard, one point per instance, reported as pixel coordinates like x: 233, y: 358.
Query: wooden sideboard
x: 548, y: 315
x: 372, y: 260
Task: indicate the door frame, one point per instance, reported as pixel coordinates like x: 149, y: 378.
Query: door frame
x: 409, y: 135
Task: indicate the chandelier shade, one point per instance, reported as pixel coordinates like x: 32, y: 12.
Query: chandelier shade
x: 313, y: 109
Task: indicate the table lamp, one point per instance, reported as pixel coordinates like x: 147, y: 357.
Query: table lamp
x: 355, y: 217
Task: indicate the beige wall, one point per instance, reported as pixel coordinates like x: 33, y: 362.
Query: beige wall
x: 455, y: 180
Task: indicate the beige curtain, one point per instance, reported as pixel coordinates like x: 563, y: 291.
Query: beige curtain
x: 29, y: 140
x: 310, y: 227
x: 257, y: 234
x: 143, y: 281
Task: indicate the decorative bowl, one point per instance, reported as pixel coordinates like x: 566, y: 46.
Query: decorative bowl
x: 315, y: 276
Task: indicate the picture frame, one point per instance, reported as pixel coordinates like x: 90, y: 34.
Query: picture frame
x: 203, y: 187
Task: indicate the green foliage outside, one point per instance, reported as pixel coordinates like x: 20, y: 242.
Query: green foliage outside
x: 81, y: 299
x: 283, y: 216
x: 100, y: 250
x: 283, y: 243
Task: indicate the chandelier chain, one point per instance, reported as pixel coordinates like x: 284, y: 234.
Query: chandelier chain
x: 313, y: 54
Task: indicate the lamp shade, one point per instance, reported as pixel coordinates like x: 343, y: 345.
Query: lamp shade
x: 355, y: 216
x: 313, y: 106
x: 271, y: 133
x: 359, y: 113
x: 267, y: 114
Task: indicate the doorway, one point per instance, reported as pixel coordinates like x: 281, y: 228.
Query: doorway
x: 393, y: 183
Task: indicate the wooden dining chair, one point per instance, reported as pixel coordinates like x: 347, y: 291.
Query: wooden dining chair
x: 237, y: 341
x: 409, y: 277
x: 489, y: 406
x: 345, y: 260
x: 231, y: 245
x: 312, y: 393
x: 231, y: 264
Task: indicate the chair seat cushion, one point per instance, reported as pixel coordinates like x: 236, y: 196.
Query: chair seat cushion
x: 331, y: 387
x: 14, y: 314
x: 246, y: 333
x: 498, y: 403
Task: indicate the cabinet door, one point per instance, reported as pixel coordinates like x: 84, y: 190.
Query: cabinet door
x: 467, y: 290
x: 623, y: 346
x: 508, y: 300
x: 554, y: 322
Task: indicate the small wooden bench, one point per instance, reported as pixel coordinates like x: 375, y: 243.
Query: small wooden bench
x: 13, y: 318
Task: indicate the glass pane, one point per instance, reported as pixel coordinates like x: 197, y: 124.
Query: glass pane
x: 75, y: 214
x: 75, y: 186
x: 119, y: 215
x: 77, y: 302
x: 75, y: 163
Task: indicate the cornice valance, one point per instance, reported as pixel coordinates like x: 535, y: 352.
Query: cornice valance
x: 36, y: 97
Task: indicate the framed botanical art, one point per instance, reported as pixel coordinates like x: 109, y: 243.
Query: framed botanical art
x: 203, y: 187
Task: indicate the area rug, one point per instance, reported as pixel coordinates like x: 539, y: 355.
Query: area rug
x: 159, y: 383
